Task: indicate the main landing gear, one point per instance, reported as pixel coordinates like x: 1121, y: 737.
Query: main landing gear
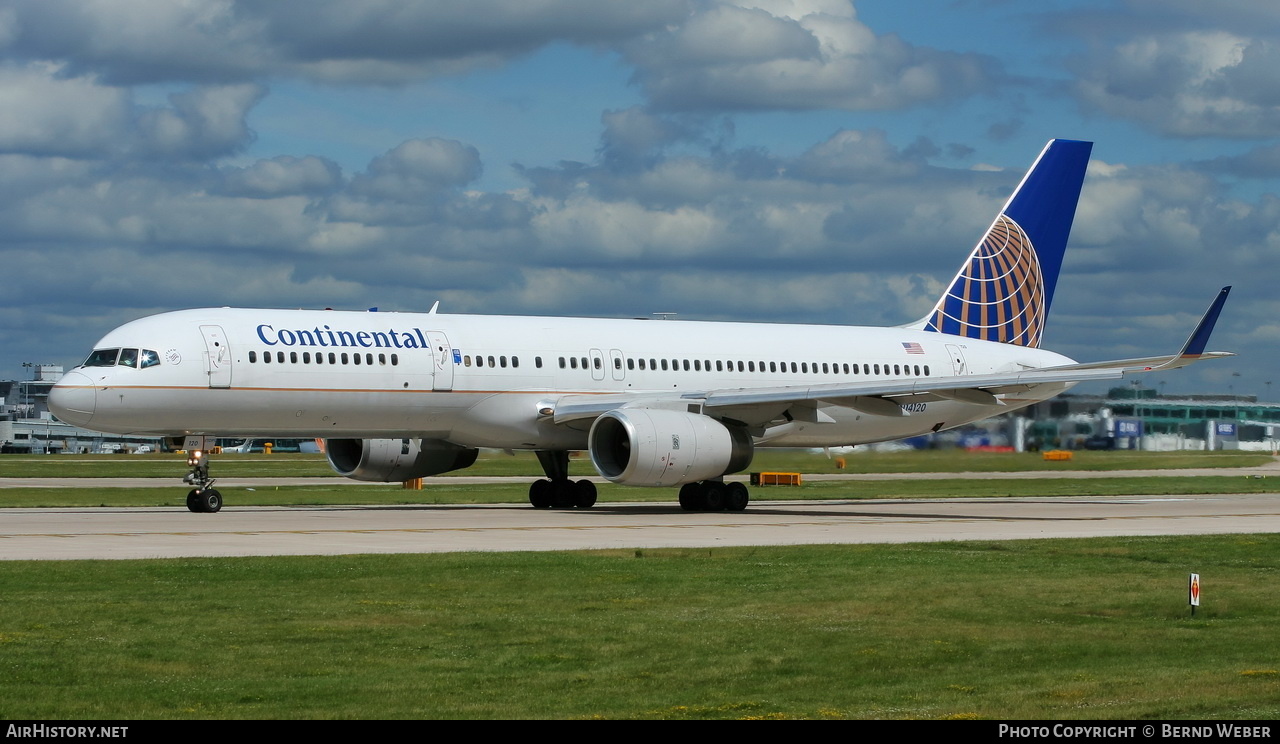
x: 714, y: 495
x: 556, y: 489
x: 204, y: 497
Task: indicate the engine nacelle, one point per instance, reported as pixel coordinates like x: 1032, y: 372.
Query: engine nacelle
x: 654, y: 447
x: 391, y: 460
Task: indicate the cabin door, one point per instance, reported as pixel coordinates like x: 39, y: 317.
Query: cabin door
x: 217, y: 356
x: 442, y: 353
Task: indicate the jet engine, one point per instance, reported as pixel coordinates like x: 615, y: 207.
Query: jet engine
x: 391, y: 460
x: 654, y: 447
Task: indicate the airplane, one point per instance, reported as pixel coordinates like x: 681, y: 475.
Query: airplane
x: 655, y: 403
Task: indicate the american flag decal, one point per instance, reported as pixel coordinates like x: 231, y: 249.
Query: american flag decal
x: 912, y: 347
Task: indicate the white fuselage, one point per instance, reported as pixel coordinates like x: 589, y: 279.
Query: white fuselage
x: 480, y: 381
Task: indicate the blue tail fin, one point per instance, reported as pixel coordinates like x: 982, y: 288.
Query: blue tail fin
x: 1003, y: 292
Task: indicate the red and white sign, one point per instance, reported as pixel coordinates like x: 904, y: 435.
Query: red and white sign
x: 1193, y: 590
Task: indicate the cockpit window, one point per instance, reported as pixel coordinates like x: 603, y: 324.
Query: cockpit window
x: 128, y: 358
x: 102, y: 358
x: 149, y: 358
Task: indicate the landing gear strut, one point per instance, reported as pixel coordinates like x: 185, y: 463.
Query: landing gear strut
x: 556, y: 489
x: 714, y: 495
x: 202, y: 498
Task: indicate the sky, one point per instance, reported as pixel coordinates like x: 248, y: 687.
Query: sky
x: 807, y: 161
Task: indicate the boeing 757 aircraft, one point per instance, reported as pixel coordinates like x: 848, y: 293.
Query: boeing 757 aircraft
x: 656, y: 403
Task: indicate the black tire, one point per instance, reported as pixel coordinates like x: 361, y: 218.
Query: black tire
x: 563, y: 494
x: 690, y: 499
x: 713, y: 496
x: 193, y: 501
x: 540, y: 494
x: 736, y: 497
x: 210, y: 501
x: 584, y: 494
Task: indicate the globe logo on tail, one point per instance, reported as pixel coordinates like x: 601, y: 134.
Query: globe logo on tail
x: 999, y: 294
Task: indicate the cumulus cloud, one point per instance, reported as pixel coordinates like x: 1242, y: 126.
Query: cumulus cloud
x: 42, y: 112
x: 130, y: 42
x: 283, y: 175
x: 1188, y: 83
x: 751, y: 55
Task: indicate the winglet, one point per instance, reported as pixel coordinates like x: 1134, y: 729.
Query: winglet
x: 1200, y: 336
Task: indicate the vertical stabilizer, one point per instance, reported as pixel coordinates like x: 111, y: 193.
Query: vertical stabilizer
x: 1003, y: 291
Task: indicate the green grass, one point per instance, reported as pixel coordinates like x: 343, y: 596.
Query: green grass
x: 170, y: 465
x: 1070, y: 629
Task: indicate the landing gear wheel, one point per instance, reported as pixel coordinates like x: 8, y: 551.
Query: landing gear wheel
x: 713, y: 497
x: 210, y: 501
x: 564, y: 494
x: 193, y: 500
x: 690, y: 497
x: 736, y: 497
x: 584, y: 494
x: 540, y: 493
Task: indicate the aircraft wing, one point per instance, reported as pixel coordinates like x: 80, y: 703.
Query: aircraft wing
x: 755, y: 406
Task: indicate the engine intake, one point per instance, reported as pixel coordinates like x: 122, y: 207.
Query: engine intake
x: 391, y: 460
x: 655, y: 447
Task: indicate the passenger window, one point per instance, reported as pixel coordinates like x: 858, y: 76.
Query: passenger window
x: 266, y: 357
x: 537, y: 362
x: 664, y: 365
x: 515, y: 361
x: 102, y: 358
x: 395, y: 359
x: 561, y: 362
x: 253, y: 357
x: 502, y: 361
x: 293, y: 357
x: 491, y: 364
x: 596, y: 363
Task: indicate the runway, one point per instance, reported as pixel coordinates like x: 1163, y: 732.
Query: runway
x: 121, y: 533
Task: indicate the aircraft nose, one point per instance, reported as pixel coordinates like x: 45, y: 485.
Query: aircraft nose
x: 73, y: 399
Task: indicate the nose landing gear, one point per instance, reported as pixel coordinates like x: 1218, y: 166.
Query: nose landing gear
x: 204, y: 497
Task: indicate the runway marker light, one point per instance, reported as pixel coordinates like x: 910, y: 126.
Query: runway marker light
x: 1193, y: 592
